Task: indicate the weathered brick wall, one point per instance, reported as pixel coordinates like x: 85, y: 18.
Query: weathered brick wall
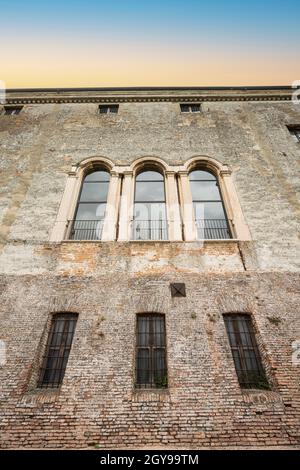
x: 109, y: 283
x: 97, y: 404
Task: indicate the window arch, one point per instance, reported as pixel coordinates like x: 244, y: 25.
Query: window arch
x: 209, y: 212
x: 91, y: 207
x: 150, y: 217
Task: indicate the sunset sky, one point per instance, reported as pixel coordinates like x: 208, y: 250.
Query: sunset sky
x: 155, y: 43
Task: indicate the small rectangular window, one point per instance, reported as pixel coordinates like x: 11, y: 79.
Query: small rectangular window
x: 295, y: 132
x: 108, y: 109
x: 190, y: 108
x: 11, y: 110
x: 151, y: 367
x: 185, y: 108
x: 57, y: 350
x: 245, y: 352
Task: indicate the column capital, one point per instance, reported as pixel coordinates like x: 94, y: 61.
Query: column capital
x: 225, y: 172
x: 72, y: 173
x: 170, y: 172
x: 183, y: 173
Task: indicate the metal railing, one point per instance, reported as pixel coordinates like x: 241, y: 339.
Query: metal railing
x: 86, y: 229
x: 208, y: 229
x: 150, y: 229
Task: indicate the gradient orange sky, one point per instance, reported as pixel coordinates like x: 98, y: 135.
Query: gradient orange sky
x: 158, y: 43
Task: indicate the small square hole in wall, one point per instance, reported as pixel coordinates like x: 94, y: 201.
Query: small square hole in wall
x: 178, y: 289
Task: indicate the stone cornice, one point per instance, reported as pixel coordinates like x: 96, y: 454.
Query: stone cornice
x: 143, y: 95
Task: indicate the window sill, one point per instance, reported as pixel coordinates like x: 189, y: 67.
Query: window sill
x: 40, y: 395
x: 155, y: 390
x: 211, y: 240
x: 151, y: 395
x: 258, y: 396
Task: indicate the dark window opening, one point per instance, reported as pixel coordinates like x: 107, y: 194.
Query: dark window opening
x: 245, y: 352
x: 57, y: 350
x: 108, y: 109
x: 190, y: 108
x: 12, y: 110
x: 295, y: 132
x: 151, y: 364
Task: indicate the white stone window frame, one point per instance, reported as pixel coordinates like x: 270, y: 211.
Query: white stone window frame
x: 120, y: 199
x: 239, y: 228
x: 171, y: 197
x: 67, y: 210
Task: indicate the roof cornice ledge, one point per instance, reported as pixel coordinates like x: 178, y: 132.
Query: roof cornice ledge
x: 142, y: 95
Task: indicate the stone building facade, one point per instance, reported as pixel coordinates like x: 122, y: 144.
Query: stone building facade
x: 195, y: 279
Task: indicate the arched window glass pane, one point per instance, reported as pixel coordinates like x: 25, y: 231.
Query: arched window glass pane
x: 210, y: 217
x: 150, y: 176
x: 94, y: 192
x: 205, y: 190
x: 97, y: 176
x: 149, y: 191
x: 149, y: 207
x: 201, y: 175
x: 88, y: 223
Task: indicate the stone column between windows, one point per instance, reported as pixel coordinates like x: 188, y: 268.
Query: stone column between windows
x: 112, y: 205
x: 126, y: 207
x: 67, y: 205
x: 233, y: 208
x: 173, y: 209
x: 190, y: 230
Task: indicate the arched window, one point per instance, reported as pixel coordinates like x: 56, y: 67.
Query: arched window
x: 209, y: 212
x: 90, y: 212
x: 151, y: 361
x: 150, y: 221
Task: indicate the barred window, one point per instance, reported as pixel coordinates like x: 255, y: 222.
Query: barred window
x: 151, y: 364
x: 245, y: 352
x: 190, y: 108
x: 90, y: 213
x: 57, y: 350
x: 109, y: 109
x: 12, y: 110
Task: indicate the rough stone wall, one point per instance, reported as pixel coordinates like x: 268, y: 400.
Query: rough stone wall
x: 39, y: 146
x: 109, y: 283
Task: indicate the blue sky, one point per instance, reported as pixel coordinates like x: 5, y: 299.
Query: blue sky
x: 225, y: 42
